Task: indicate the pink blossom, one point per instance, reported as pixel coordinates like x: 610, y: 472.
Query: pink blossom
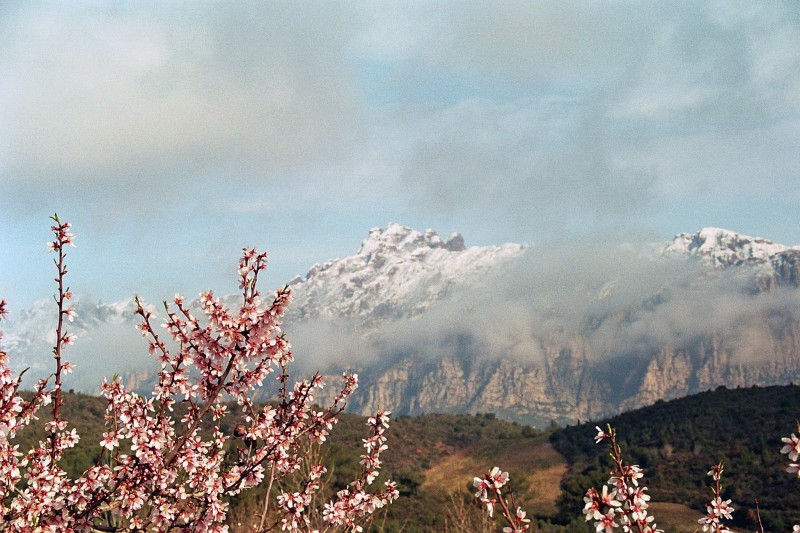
x: 601, y: 435
x: 110, y: 440
x: 166, y: 473
x: 483, y: 486
x: 606, y: 522
x: 792, y: 447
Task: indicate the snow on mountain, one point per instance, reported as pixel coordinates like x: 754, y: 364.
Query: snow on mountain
x: 722, y: 248
x: 36, y: 325
x: 398, y: 272
x: 771, y: 263
x: 536, y: 348
x: 105, y: 335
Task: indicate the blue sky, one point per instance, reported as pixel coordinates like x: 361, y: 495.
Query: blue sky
x: 172, y: 134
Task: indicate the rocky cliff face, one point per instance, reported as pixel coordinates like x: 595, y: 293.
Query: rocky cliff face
x: 570, y: 385
x: 710, y: 362
x: 434, y: 325
x: 573, y: 377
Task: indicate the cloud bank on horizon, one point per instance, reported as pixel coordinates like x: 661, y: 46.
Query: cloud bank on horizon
x: 615, y: 306
x: 172, y: 135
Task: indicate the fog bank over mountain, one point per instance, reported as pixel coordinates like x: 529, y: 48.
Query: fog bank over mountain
x: 622, y: 297
x: 534, y: 332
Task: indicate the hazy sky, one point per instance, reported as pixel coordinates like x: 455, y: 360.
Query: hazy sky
x: 174, y: 133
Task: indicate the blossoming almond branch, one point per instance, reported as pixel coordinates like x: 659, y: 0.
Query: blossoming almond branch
x: 161, y: 472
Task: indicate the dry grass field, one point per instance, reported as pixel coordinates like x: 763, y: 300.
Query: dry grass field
x: 536, y: 469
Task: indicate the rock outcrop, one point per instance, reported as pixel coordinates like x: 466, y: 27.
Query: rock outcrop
x: 451, y: 328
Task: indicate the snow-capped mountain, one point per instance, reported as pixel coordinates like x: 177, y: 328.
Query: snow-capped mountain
x: 722, y: 248
x: 33, y: 330
x: 770, y: 263
x: 529, y: 333
x: 397, y: 273
x: 104, y: 334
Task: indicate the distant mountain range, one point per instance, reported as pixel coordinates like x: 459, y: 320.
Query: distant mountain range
x: 530, y: 332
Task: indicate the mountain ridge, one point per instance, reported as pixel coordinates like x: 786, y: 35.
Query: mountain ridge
x: 722, y: 248
x: 435, y: 325
x: 396, y: 273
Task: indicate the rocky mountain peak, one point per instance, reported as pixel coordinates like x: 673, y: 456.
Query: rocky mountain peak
x: 397, y: 272
x: 394, y: 308
x: 402, y: 239
x: 723, y: 248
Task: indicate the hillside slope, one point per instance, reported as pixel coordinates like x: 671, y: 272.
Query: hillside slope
x: 676, y: 442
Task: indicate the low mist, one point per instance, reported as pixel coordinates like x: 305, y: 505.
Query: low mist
x: 621, y: 300
x: 618, y: 300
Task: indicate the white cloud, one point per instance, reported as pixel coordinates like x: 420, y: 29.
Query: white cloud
x: 505, y: 121
x: 125, y: 95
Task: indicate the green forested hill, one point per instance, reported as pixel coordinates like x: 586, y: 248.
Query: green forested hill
x: 434, y: 457
x: 418, y: 446
x: 676, y: 442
